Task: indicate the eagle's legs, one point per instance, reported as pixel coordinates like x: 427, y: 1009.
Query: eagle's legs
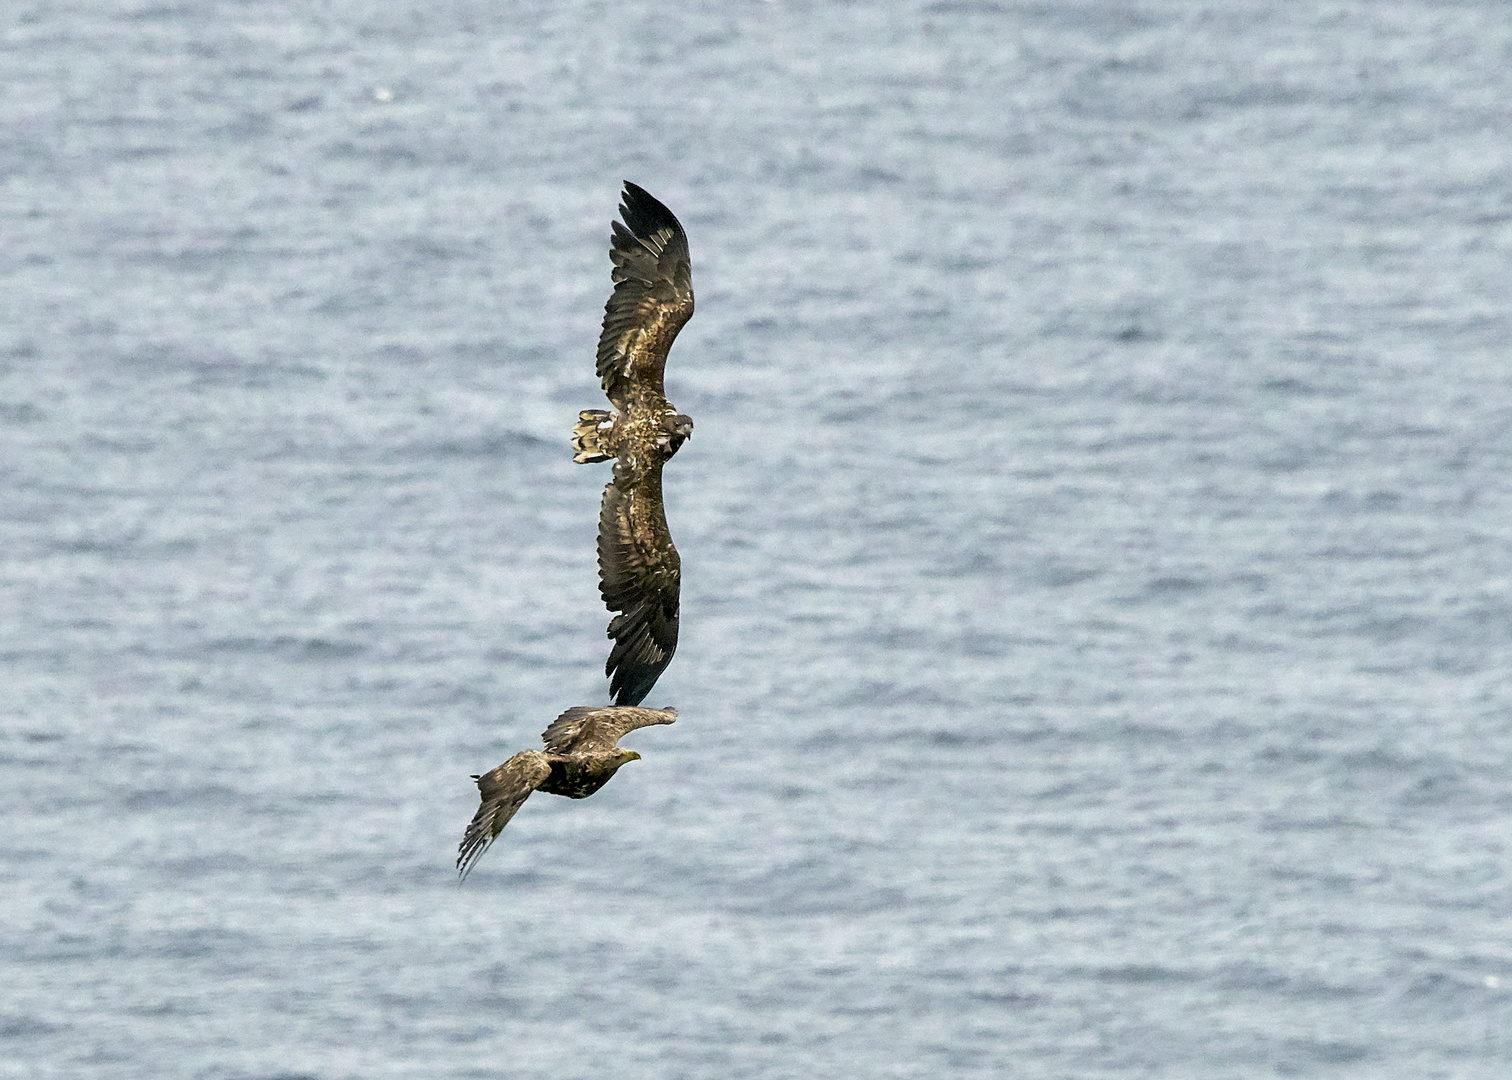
x: 590, y: 436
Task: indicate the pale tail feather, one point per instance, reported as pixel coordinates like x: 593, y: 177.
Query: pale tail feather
x: 589, y: 434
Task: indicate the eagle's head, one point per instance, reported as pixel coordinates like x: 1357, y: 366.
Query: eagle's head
x: 677, y: 429
x: 623, y: 756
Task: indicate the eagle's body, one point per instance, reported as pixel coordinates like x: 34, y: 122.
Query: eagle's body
x: 582, y: 753
x: 580, y: 776
x: 639, y: 568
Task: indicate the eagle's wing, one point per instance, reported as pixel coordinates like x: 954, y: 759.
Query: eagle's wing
x: 639, y: 577
x: 652, y: 298
x: 561, y: 735
x: 584, y: 729
x: 504, y: 790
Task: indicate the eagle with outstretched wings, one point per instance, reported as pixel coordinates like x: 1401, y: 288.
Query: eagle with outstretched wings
x: 639, y: 569
x: 582, y: 753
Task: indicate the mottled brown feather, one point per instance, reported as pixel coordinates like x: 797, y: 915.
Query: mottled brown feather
x: 504, y: 790
x: 584, y: 729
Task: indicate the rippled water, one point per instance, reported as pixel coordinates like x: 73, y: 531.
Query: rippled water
x: 1097, y: 541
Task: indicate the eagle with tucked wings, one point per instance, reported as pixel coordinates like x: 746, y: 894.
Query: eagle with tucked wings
x: 582, y: 753
x: 639, y: 569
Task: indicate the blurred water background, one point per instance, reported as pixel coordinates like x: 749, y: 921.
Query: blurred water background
x: 1097, y: 540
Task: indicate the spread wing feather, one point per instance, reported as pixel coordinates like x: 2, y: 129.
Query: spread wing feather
x: 652, y: 298
x: 561, y: 735
x: 504, y: 790
x: 586, y: 729
x: 640, y: 576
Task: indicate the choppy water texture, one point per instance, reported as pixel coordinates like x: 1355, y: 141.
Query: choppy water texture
x: 1097, y: 537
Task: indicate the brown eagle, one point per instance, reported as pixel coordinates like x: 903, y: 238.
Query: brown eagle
x: 639, y: 570
x: 582, y: 753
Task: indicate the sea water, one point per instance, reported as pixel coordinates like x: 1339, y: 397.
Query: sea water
x: 1096, y: 653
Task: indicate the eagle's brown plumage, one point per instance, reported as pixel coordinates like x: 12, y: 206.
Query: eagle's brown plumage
x: 652, y: 298
x: 639, y: 569
x: 582, y: 753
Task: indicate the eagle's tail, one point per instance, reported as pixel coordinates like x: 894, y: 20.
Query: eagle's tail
x: 590, y: 436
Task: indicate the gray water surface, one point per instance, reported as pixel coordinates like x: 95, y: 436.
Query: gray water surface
x: 1096, y: 648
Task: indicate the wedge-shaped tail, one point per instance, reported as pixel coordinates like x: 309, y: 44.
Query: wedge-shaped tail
x: 590, y: 436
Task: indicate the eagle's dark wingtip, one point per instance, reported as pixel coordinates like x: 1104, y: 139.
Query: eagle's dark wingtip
x: 624, y: 692
x: 474, y: 844
x: 629, y: 686
x: 644, y: 213
x: 635, y: 662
